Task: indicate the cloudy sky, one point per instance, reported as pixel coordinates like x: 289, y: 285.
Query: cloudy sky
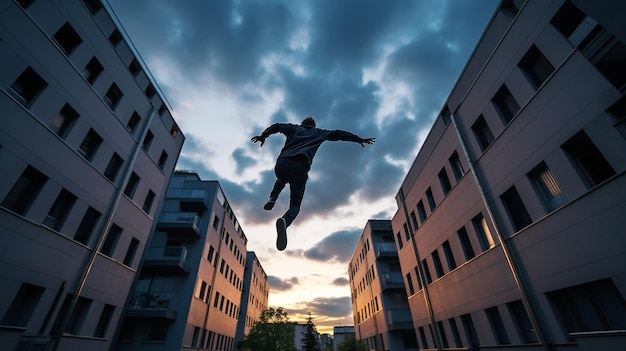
x: 376, y: 68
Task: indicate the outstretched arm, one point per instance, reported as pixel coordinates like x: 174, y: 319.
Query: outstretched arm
x: 258, y: 138
x: 274, y: 128
x: 368, y: 141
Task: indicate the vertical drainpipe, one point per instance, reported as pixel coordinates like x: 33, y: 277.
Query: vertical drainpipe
x: 420, y: 269
x: 55, y: 337
x: 218, y: 255
x: 508, y: 252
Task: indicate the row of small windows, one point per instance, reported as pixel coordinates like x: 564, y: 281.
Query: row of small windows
x: 28, y: 297
x: 25, y: 191
x: 368, y: 310
x: 234, y: 249
x: 364, y: 250
x: 366, y: 281
x: 210, y: 340
x: 593, y: 306
x: 230, y: 274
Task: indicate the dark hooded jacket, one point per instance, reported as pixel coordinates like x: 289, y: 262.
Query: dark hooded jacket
x: 304, y: 140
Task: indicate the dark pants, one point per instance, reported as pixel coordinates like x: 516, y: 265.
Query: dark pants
x: 294, y: 172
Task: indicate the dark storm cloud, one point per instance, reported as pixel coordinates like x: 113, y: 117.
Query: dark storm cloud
x: 333, y: 307
x: 279, y: 284
x: 336, y: 247
x: 242, y: 160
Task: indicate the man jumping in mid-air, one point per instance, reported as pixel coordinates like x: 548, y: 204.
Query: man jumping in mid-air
x: 294, y: 162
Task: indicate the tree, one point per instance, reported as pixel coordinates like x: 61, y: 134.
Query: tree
x: 350, y: 343
x: 310, y: 340
x: 273, y: 332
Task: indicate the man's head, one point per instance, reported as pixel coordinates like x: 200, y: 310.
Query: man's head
x: 308, y: 121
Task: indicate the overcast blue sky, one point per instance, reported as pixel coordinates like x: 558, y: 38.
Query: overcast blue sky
x: 376, y: 68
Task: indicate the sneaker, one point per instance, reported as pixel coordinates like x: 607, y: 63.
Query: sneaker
x: 281, y: 229
x: 269, y: 204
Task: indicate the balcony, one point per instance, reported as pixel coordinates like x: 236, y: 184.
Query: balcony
x: 153, y: 305
x: 168, y: 259
x: 399, y: 318
x: 386, y: 250
x: 180, y: 224
x: 391, y: 281
x: 191, y: 200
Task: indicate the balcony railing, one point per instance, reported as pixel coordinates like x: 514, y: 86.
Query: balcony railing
x: 180, y: 224
x: 386, y: 250
x: 190, y: 199
x: 399, y: 318
x: 169, y: 258
x: 391, y: 280
x: 153, y: 304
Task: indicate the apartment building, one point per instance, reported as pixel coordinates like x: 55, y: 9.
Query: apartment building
x: 188, y: 293
x: 253, y: 297
x: 340, y: 333
x: 87, y: 147
x: 510, y: 221
x: 382, y: 319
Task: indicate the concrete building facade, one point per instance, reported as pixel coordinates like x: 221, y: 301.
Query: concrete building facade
x: 87, y: 147
x: 254, y: 296
x: 382, y: 319
x: 510, y: 221
x: 188, y: 294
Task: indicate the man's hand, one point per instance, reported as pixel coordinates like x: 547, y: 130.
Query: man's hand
x: 258, y: 138
x: 369, y: 141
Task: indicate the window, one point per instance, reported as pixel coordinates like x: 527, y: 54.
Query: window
x: 427, y: 276
x: 133, y: 122
x: 423, y: 337
x: 67, y: 38
x: 86, y: 226
x: 216, y: 222
x: 456, y: 166
x: 546, y: 186
x: 147, y: 140
x: 78, y: 315
x: 130, y: 253
x: 150, y: 91
x: 588, y: 160
x: 485, y: 239
x: 210, y: 254
x: 483, y: 134
x: 421, y: 211
x: 466, y: 245
x: 447, y: 251
x: 132, y: 185
x: 497, y: 326
x: 62, y: 122
x: 407, y: 233
x: 134, y: 67
x: 414, y: 220
x: 515, y: 208
x: 575, y: 25
x: 93, y: 5
x: 92, y: 70
x: 431, y: 199
x: 113, y: 96
x: 444, y: 181
x: 618, y: 112
x: 115, y: 37
x: 409, y: 284
x: 522, y: 322
x: 455, y: 333
x: 114, y: 166
x: 611, y: 63
x: 111, y: 240
x: 162, y: 110
x: 59, y: 210
x: 104, y: 320
x: 147, y: 203
x: 536, y: 67
x: 23, y: 305
x: 156, y: 330
x: 174, y: 131
x: 27, y: 86
x: 506, y: 104
x: 162, y: 160
x: 437, y: 263
x: 90, y: 144
x: 399, y: 240
x: 24, y: 191
x: 470, y: 331
x: 591, y: 306
x: 442, y: 333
